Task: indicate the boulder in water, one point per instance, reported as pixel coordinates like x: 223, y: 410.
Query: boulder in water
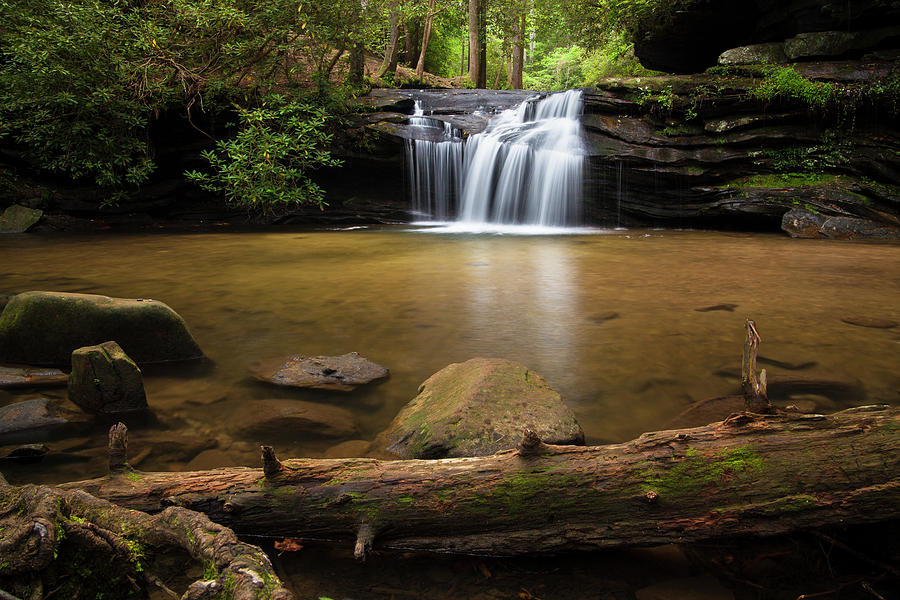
x: 105, y: 380
x: 43, y: 328
x: 341, y: 373
x: 476, y: 408
x: 19, y: 219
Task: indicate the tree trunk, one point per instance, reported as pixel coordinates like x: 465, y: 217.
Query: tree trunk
x: 750, y: 474
x: 518, y: 52
x: 426, y: 37
x: 389, y: 65
x: 477, y: 41
x: 357, y: 73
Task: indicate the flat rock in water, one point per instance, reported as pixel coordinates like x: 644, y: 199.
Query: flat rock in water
x: 476, y: 408
x: 342, y: 373
x: 278, y: 419
x: 871, y: 322
x: 16, y: 377
x: 29, y: 414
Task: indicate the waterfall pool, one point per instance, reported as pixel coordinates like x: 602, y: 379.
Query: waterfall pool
x: 630, y: 326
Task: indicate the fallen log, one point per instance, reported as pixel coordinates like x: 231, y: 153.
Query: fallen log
x: 70, y: 544
x: 751, y: 474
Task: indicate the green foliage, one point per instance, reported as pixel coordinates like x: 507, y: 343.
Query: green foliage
x: 67, y: 96
x: 613, y: 58
x: 786, y: 83
x: 265, y: 167
x: 559, y: 69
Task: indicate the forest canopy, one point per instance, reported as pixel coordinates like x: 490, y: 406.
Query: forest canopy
x: 83, y: 83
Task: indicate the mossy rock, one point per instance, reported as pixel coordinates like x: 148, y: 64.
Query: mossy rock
x: 105, y: 380
x: 44, y: 328
x: 476, y: 408
x: 18, y: 219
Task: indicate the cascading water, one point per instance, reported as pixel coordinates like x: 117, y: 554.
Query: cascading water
x: 435, y: 166
x: 525, y: 168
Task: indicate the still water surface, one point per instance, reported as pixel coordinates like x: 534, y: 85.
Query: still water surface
x: 612, y: 320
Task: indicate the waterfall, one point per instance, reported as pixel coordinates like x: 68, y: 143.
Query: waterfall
x: 435, y: 165
x: 524, y: 168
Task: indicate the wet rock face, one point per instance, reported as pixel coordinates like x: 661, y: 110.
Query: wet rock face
x: 476, y: 408
x: 44, y: 328
x: 339, y: 373
x: 692, y: 39
x: 105, y: 380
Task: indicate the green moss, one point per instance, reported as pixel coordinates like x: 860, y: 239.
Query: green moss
x: 786, y: 83
x: 697, y: 470
x: 784, y: 180
x: 133, y: 475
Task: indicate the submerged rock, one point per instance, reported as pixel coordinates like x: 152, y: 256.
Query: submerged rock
x: 105, y: 380
x: 19, y: 219
x: 43, y: 328
x: 16, y: 377
x: 29, y: 414
x: 341, y: 373
x: 871, y: 322
x: 278, y: 419
x: 476, y: 408
x: 27, y: 454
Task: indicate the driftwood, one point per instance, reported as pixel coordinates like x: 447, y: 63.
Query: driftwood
x: 70, y: 544
x: 750, y: 474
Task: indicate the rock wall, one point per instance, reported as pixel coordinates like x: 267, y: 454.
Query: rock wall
x: 701, y: 151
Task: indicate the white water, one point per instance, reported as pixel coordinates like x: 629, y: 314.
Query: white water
x: 435, y: 166
x: 524, y: 169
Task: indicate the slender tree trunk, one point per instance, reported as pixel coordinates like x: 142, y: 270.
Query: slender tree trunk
x: 357, y: 65
x: 426, y: 38
x: 462, y: 59
x: 499, y: 72
x: 751, y: 474
x: 389, y: 65
x: 518, y: 52
x: 477, y: 43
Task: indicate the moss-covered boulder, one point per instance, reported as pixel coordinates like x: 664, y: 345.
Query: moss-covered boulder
x: 18, y: 219
x: 476, y: 408
x: 105, y: 380
x: 44, y: 328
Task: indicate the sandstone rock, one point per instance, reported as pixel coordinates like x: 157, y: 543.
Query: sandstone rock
x: 43, y: 328
x: 278, y: 419
x: 852, y: 227
x: 105, y: 380
x: 771, y: 53
x: 801, y: 223
x: 29, y: 414
x: 476, y: 408
x: 342, y: 373
x: 15, y: 377
x: 18, y: 219
x: 834, y: 43
x: 872, y: 322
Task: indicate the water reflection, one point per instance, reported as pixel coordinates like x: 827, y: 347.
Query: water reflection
x: 611, y: 320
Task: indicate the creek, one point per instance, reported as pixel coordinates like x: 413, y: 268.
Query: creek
x: 630, y: 327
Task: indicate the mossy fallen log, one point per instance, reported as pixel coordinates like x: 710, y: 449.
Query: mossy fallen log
x: 70, y: 544
x: 751, y: 474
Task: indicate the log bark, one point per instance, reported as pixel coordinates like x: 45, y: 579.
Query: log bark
x: 750, y: 474
x: 74, y: 545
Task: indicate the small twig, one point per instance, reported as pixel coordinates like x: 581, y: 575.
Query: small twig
x: 158, y: 583
x: 875, y: 563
